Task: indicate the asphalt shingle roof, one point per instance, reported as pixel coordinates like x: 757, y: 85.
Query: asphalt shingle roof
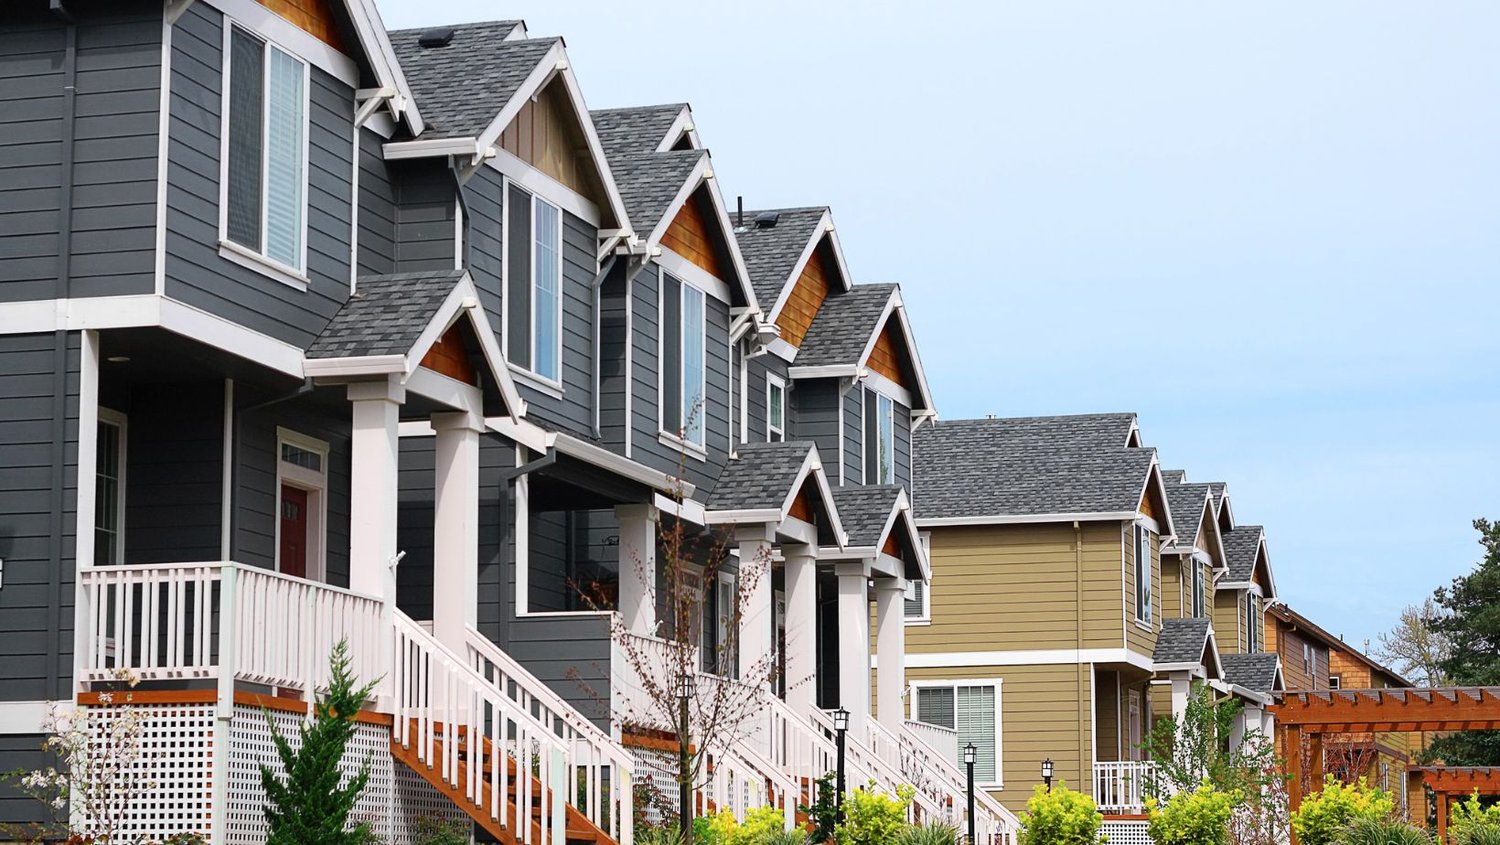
x: 1181, y: 640
x: 771, y: 254
x: 385, y: 315
x: 648, y: 183
x: 1028, y: 466
x: 634, y: 131
x: 863, y: 510
x: 1251, y: 671
x: 1240, y: 547
x: 462, y: 87
x: 1186, y: 502
x: 844, y: 325
x: 760, y: 477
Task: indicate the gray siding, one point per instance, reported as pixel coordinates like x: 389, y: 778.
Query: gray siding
x: 377, y: 208
x: 78, y: 171
x: 574, y: 412
x: 484, y: 199
x: 174, y: 470
x: 759, y: 367
x: 425, y: 205
x: 614, y: 340
x: 39, y: 380
x: 571, y: 655
x: 854, y: 436
x: 196, y: 274
x: 21, y: 752
x: 903, y: 446
x: 816, y: 416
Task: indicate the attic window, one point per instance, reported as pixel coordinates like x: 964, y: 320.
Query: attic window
x: 438, y: 37
x: 767, y: 219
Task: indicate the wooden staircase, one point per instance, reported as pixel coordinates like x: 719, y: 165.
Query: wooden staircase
x: 506, y: 824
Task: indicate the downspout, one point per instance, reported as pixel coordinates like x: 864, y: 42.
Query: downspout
x: 234, y: 449
x: 1078, y: 644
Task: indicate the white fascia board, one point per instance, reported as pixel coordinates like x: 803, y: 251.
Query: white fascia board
x: 448, y: 391
x: 681, y: 125
x: 889, y: 566
x: 372, y: 33
x: 824, y: 225
x: 783, y: 350
x: 742, y: 272
x: 828, y: 229
x: 544, y: 186
x: 812, y: 466
x: 364, y: 365
x: 1270, y: 587
x: 541, y: 73
x: 1024, y: 519
x: 684, y: 192
x: 798, y: 530
x: 1178, y: 667
x: 464, y: 299
x: 624, y: 467
x: 885, y: 387
x: 1153, y: 474
x: 824, y: 371
x: 687, y: 509
x: 749, y: 515
x: 1036, y: 657
x: 1212, y: 647
x: 227, y: 335
x: 526, y: 433
x: 923, y: 387
x: 430, y: 147
x: 848, y: 552
x: 924, y: 562
x: 694, y: 275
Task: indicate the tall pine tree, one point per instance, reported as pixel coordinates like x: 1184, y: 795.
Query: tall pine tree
x: 306, y: 804
x: 1473, y: 627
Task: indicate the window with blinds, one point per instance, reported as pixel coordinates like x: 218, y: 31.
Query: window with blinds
x: 974, y: 712
x: 916, y: 600
x: 265, y: 171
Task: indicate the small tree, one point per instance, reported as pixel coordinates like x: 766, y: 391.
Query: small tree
x: 310, y: 802
x: 1415, y: 647
x: 1060, y: 817
x: 1199, y: 817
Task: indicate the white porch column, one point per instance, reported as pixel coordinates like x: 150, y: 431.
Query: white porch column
x: 757, y: 639
x: 1248, y: 720
x: 637, y: 552
x: 854, y: 643
x: 801, y: 627
x: 890, y: 661
x: 1182, y: 688
x: 374, y: 446
x: 455, y: 541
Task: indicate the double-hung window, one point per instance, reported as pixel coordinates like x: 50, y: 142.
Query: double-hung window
x: 534, y: 284
x: 775, y: 409
x: 972, y: 709
x: 880, y: 439
x: 1142, y: 573
x: 265, y: 184
x: 683, y: 364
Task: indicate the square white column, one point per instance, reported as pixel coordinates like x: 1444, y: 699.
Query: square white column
x: 854, y: 643
x: 455, y: 541
x: 637, y: 553
x: 374, y: 445
x: 890, y: 660
x: 757, y: 639
x: 801, y: 626
x: 1182, y: 690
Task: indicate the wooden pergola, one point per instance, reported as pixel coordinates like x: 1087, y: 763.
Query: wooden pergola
x: 1454, y: 783
x: 1306, y: 717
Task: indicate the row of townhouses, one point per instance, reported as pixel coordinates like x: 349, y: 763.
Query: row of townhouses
x: 313, y: 331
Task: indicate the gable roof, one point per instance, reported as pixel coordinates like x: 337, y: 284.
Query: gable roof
x: 649, y: 183
x: 1241, y: 550
x: 870, y: 513
x: 775, y: 254
x: 462, y: 86
x: 760, y: 482
x: 636, y: 130
x: 1184, y: 643
x: 845, y: 330
x: 1190, y: 503
x: 1031, y: 469
x: 1332, y: 641
x: 1259, y: 672
x: 382, y: 58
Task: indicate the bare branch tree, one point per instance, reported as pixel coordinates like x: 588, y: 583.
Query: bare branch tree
x: 1414, y: 647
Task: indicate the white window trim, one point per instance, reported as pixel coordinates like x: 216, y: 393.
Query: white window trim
x: 109, y: 416
x: 775, y: 434
x: 672, y: 438
x: 999, y: 782
x: 544, y: 379
x: 885, y: 411
x: 294, y: 277
x: 925, y: 618
x: 316, y: 484
x: 1142, y: 569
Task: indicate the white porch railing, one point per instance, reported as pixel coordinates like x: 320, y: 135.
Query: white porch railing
x: 173, y: 621
x: 940, y: 775
x: 1121, y: 787
x: 942, y: 740
x: 601, y: 767
x: 871, y: 757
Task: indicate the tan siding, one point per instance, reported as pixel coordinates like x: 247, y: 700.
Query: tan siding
x: 1044, y: 713
x: 1175, y: 588
x: 1137, y: 636
x: 1013, y: 587
x: 1227, y: 629
x: 1107, y: 696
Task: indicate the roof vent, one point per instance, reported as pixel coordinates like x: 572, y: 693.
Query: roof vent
x: 436, y: 37
x: 767, y: 219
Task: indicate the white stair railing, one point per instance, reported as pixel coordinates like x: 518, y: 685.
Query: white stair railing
x: 886, y: 776
x: 740, y: 780
x: 439, y: 698
x: 601, y: 767
x: 940, y: 776
x: 807, y: 753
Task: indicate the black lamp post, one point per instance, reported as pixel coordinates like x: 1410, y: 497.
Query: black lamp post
x: 684, y: 764
x: 840, y: 728
x: 1047, y: 773
x: 970, y: 755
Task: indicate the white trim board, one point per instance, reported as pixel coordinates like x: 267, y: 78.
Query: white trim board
x: 1022, y: 519
x: 1036, y: 657
x: 24, y: 717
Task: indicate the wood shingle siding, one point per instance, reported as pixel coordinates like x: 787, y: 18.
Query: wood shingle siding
x: 691, y: 235
x: 195, y: 273
x: 887, y: 355
x: 315, y: 17
x: 811, y: 288
x: 91, y: 201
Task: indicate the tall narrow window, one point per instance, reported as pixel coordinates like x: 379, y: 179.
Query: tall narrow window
x: 775, y: 409
x: 1253, y: 622
x: 109, y: 489
x: 973, y: 710
x: 683, y: 364
x: 546, y: 300
x: 693, y: 369
x: 880, y: 439
x: 1142, y: 573
x: 1200, y: 594
x: 266, y: 132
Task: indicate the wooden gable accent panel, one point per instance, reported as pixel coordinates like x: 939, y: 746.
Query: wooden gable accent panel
x: 1151, y: 505
x: 546, y: 135
x: 891, y: 546
x: 807, y: 295
x: 691, y: 235
x: 805, y: 506
x: 315, y: 17
x: 450, y: 356
x: 889, y: 354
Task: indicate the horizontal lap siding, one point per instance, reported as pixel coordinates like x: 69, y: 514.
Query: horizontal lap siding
x: 1141, y: 636
x: 614, y: 344
x: 484, y: 195
x: 756, y: 404
x: 571, y: 654
x: 902, y: 428
x: 815, y: 417
x: 22, y: 752
x: 1228, y: 632
x: 175, y: 471
x: 574, y: 412
x: 854, y: 436
x: 109, y: 215
x: 39, y: 383
x: 1013, y: 588
x: 196, y: 274
x: 425, y: 207
x: 377, y: 208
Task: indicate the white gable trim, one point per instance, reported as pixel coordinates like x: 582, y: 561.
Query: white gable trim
x: 681, y: 125
x: 302, y: 44
x: 897, y: 306
x: 823, y: 229
x: 1025, y: 519
x: 377, y: 44
x: 703, y: 174
x: 1153, y: 473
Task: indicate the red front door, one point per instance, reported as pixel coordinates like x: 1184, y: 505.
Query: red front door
x: 293, y: 558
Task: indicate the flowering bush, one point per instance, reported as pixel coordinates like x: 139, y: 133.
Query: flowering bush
x: 1324, y: 814
x: 1060, y: 817
x: 1200, y: 817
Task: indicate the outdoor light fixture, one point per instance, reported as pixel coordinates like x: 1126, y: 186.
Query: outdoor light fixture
x: 971, y: 754
x: 1047, y: 773
x: 841, y: 720
x: 685, y: 692
x: 840, y: 727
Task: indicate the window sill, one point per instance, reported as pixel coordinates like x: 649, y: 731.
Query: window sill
x: 251, y: 260
x: 693, y: 450
x: 1145, y: 626
x: 536, y: 382
x: 917, y: 623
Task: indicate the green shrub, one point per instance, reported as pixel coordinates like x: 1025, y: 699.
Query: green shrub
x: 929, y: 834
x: 1200, y: 817
x: 1060, y: 817
x: 758, y: 828
x: 667, y: 834
x: 823, y: 814
x: 435, y: 831
x: 1470, y: 822
x: 873, y: 818
x: 1323, y: 815
x: 1485, y: 834
x: 1388, y: 831
x: 785, y: 837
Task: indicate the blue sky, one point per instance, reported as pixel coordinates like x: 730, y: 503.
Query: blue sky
x: 1271, y: 229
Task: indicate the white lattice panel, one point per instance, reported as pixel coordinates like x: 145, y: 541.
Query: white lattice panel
x: 415, y: 799
x: 655, y: 771
x: 170, y: 776
x: 1129, y: 832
